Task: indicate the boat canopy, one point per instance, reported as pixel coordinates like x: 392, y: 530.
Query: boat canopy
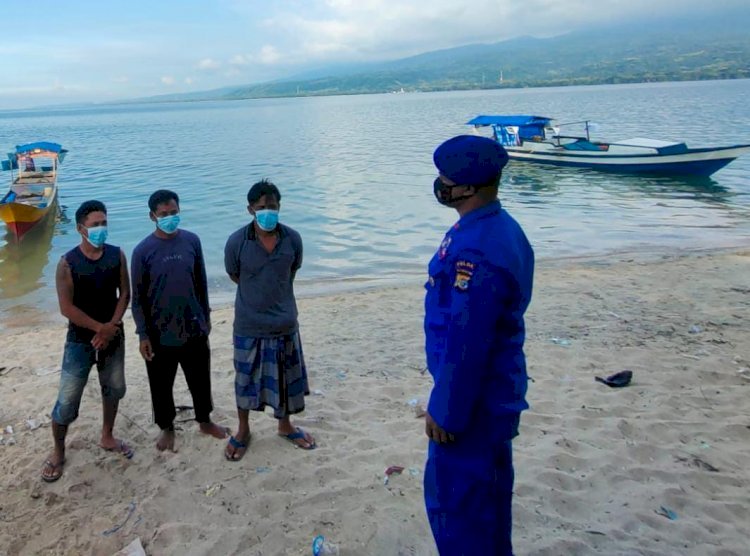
x: 41, y: 145
x: 519, y: 120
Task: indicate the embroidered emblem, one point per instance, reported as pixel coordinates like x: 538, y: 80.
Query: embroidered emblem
x: 443, y: 250
x: 464, y: 272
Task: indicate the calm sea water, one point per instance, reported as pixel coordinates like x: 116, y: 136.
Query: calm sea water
x: 356, y: 174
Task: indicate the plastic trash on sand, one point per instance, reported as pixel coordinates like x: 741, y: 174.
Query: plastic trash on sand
x: 666, y: 512
x: 322, y: 547
x: 135, y: 548
x: 392, y: 470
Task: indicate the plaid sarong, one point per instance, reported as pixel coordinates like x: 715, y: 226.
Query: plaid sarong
x: 270, y: 372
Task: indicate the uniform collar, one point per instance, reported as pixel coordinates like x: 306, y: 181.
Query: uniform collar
x: 477, y: 214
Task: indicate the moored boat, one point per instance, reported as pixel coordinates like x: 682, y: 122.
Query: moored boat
x: 535, y: 139
x: 33, y: 191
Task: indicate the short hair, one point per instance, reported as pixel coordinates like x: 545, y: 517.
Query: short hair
x: 160, y: 197
x: 263, y: 187
x: 87, y: 207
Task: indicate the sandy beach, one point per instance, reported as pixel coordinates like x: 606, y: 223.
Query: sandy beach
x: 657, y: 468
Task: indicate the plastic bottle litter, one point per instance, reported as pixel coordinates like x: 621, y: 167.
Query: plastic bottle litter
x: 322, y: 547
x: 560, y: 341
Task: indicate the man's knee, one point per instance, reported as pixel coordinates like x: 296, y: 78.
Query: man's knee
x: 113, y: 383
x: 64, y: 413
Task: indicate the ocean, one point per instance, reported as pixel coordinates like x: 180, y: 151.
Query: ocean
x: 355, y: 173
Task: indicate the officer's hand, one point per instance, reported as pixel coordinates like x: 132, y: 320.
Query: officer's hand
x: 146, y: 350
x: 434, y: 432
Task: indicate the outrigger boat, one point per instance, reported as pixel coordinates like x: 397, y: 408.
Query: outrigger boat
x: 33, y: 189
x: 534, y: 139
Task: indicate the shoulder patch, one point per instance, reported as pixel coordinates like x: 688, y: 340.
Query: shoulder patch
x: 443, y: 250
x: 464, y: 273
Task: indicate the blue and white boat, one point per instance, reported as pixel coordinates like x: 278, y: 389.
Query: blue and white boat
x: 535, y: 139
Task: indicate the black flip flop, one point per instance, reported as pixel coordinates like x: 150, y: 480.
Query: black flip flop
x: 53, y: 466
x: 617, y: 380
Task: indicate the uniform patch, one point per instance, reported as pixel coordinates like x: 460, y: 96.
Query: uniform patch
x: 443, y: 250
x: 464, y: 272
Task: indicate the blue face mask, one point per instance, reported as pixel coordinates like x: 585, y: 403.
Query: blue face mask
x: 168, y: 224
x: 267, y: 219
x: 96, y: 236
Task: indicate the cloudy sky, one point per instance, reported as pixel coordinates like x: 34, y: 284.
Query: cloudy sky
x: 87, y: 50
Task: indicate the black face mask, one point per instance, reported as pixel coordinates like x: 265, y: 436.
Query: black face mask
x: 443, y: 193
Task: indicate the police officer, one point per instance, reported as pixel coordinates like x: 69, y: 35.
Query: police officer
x: 478, y: 290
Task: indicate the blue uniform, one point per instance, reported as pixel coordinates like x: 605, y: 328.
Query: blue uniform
x: 478, y: 290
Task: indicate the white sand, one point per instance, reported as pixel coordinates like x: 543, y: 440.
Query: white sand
x: 594, y: 465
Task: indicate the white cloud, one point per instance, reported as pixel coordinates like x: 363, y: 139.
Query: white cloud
x: 121, y: 79
x: 269, y: 55
x: 189, y: 80
x: 208, y: 64
x: 239, y: 60
x: 382, y: 29
x: 168, y: 80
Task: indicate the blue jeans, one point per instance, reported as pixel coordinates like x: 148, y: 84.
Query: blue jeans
x: 78, y: 359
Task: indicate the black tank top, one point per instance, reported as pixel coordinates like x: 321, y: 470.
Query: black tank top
x: 95, y: 287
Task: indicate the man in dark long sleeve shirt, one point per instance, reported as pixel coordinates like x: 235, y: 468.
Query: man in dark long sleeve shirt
x: 172, y: 316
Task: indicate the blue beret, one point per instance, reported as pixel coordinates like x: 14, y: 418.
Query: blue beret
x: 470, y: 159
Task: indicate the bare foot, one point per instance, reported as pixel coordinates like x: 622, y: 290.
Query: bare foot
x: 53, y: 467
x: 214, y: 430
x: 165, y: 441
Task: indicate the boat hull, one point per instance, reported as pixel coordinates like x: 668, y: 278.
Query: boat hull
x: 20, y: 218
x: 694, y: 162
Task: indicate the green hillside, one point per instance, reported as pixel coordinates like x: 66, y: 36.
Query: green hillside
x: 662, y: 51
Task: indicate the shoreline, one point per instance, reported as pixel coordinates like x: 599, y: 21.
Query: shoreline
x: 17, y: 318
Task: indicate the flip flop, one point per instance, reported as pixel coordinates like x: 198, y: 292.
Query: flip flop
x: 237, y: 445
x: 49, y: 465
x: 121, y: 448
x: 617, y: 380
x: 296, y: 435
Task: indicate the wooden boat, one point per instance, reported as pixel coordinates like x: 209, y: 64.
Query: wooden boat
x: 534, y: 139
x: 33, y: 191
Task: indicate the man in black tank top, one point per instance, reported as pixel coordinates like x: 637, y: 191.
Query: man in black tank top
x: 93, y: 290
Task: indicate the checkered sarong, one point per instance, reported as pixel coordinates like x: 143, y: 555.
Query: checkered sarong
x: 270, y: 372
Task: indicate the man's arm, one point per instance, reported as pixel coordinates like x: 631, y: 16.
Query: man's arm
x: 110, y: 329
x: 201, y: 281
x: 124, y: 290
x: 476, y: 298
x: 231, y: 261
x: 297, y: 257
x: 140, y: 306
x: 64, y: 285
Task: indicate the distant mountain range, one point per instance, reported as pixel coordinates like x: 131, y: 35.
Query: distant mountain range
x: 675, y: 50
